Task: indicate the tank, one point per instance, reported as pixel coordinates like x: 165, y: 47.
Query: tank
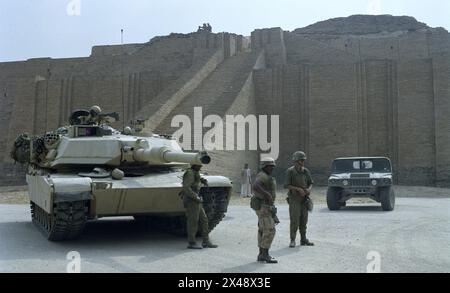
x: 89, y: 170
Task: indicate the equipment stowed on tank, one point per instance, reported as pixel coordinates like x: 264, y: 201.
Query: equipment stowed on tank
x: 89, y: 170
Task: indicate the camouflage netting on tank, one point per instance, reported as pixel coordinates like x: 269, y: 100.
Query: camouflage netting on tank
x: 21, y: 150
x: 38, y: 147
x: 33, y: 148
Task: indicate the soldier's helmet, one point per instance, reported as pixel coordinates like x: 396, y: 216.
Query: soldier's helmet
x: 297, y: 156
x: 267, y: 162
x: 95, y: 111
x: 127, y: 130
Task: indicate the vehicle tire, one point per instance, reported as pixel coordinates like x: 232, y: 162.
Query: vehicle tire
x: 387, y: 197
x: 333, y: 196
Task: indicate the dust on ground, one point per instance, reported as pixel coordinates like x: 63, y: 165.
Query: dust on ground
x: 14, y: 195
x: 19, y: 195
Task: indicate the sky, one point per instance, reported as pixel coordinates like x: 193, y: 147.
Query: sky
x: 69, y: 28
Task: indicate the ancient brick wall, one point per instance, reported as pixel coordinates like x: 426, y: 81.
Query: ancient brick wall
x: 363, y: 85
x: 346, y: 95
x: 38, y: 95
x: 230, y: 163
x: 441, y: 84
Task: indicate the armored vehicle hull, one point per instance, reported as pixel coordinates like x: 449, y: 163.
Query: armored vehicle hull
x: 361, y: 177
x: 62, y: 203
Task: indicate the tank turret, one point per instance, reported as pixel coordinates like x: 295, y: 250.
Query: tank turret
x: 101, y: 145
x: 88, y: 170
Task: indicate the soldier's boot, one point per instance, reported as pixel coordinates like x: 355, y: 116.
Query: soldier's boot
x: 208, y: 244
x: 194, y: 245
x: 292, y: 244
x: 261, y: 255
x: 305, y: 241
x: 268, y: 258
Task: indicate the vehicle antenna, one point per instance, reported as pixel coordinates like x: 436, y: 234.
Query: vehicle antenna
x: 123, y: 93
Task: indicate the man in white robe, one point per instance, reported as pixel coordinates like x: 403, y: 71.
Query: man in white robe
x: 246, y: 182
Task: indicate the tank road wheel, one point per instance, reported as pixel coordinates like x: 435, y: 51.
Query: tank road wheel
x: 66, y: 223
x: 333, y: 196
x: 387, y: 197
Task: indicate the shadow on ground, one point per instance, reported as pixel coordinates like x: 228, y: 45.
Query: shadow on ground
x: 111, y: 238
x: 375, y: 209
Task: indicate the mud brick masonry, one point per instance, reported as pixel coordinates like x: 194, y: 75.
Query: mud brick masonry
x: 355, y: 86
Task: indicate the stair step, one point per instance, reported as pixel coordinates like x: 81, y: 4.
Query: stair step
x: 217, y: 92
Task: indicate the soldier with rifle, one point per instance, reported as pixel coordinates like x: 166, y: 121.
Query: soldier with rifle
x: 263, y: 202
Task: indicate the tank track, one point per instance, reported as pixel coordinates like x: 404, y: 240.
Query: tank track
x: 66, y: 223
x: 215, y: 204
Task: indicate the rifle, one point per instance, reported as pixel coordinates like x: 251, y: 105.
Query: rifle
x: 274, y: 211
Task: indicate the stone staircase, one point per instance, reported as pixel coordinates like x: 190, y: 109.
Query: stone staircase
x: 217, y: 92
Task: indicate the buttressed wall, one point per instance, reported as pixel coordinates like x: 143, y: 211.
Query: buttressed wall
x: 361, y: 86
x: 356, y: 86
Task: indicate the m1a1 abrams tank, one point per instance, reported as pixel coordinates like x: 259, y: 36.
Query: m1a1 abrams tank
x: 89, y: 170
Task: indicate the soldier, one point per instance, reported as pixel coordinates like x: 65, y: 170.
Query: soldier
x: 94, y: 114
x: 195, y: 214
x: 299, y: 182
x: 263, y: 203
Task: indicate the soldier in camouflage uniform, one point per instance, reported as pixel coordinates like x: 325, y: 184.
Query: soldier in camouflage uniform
x: 195, y: 214
x: 299, y: 182
x: 264, y: 189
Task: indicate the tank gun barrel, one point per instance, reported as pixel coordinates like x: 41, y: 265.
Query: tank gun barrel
x: 164, y: 155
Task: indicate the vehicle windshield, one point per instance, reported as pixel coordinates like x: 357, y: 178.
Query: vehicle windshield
x: 361, y: 166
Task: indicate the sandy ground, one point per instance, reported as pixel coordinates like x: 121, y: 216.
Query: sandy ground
x: 14, y: 195
x: 413, y: 238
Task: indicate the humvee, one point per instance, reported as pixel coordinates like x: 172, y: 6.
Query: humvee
x: 369, y: 177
